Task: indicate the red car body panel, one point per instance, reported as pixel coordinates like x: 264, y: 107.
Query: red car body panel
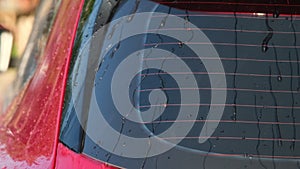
x: 30, y: 127
x: 69, y: 159
x: 29, y: 130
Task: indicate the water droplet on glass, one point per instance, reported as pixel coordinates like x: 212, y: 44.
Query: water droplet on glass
x: 180, y: 44
x: 280, y: 143
x: 186, y: 18
x: 108, y: 47
x: 250, y: 157
x: 264, y: 47
x: 233, y: 117
x: 129, y: 18
x: 276, y: 14
x: 162, y: 24
x: 156, y: 45
x: 279, y: 78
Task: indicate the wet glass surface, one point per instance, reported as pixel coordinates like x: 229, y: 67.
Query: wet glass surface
x: 260, y: 124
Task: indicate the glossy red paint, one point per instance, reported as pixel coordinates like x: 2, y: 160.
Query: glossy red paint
x: 68, y: 159
x: 30, y: 127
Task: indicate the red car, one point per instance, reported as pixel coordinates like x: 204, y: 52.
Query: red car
x: 157, y: 84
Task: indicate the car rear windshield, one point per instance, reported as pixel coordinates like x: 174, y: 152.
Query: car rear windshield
x: 221, y: 86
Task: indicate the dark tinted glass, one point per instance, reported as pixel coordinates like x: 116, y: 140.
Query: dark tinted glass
x: 259, y: 53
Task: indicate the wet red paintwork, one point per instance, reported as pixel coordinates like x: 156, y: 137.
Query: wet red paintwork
x: 68, y: 159
x: 30, y: 127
